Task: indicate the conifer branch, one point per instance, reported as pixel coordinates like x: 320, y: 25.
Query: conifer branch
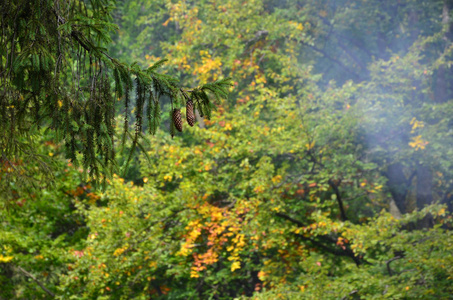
x: 70, y: 90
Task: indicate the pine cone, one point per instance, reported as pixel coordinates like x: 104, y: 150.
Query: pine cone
x: 177, y: 119
x: 189, y: 113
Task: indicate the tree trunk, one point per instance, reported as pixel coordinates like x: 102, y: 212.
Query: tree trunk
x: 398, y: 186
x: 424, y: 192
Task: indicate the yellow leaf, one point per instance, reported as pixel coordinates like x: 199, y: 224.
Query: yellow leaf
x: 194, y: 274
x: 277, y: 179
x: 418, y: 143
x: 310, y: 145
x: 236, y: 265
x: 5, y: 259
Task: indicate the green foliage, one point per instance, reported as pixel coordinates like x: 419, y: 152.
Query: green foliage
x: 41, y: 230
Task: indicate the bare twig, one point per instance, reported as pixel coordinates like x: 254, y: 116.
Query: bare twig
x: 37, y: 281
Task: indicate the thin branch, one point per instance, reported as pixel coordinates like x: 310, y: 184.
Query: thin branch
x: 339, y: 200
x: 389, y: 261
x: 350, y: 294
x: 343, y: 252
x: 356, y: 76
x: 357, y: 43
x: 350, y: 54
x: 77, y: 36
x: 37, y: 281
x: 292, y: 220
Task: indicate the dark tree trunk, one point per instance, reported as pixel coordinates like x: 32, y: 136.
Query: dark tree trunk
x: 424, y: 192
x: 441, y: 88
x: 398, y: 185
x: 424, y: 186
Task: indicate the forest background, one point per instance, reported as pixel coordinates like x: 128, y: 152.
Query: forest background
x: 325, y: 174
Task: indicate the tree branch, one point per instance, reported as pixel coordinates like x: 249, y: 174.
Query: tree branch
x: 343, y: 252
x: 76, y: 35
x: 339, y: 200
x: 351, y: 55
x: 389, y: 261
x: 355, y: 75
x: 357, y: 43
x: 288, y: 218
x: 350, y: 294
x: 37, y: 281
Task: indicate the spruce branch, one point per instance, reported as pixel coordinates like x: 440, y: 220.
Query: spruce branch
x: 63, y: 71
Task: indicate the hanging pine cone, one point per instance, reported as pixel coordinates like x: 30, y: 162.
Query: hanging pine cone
x: 177, y: 120
x: 189, y: 113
